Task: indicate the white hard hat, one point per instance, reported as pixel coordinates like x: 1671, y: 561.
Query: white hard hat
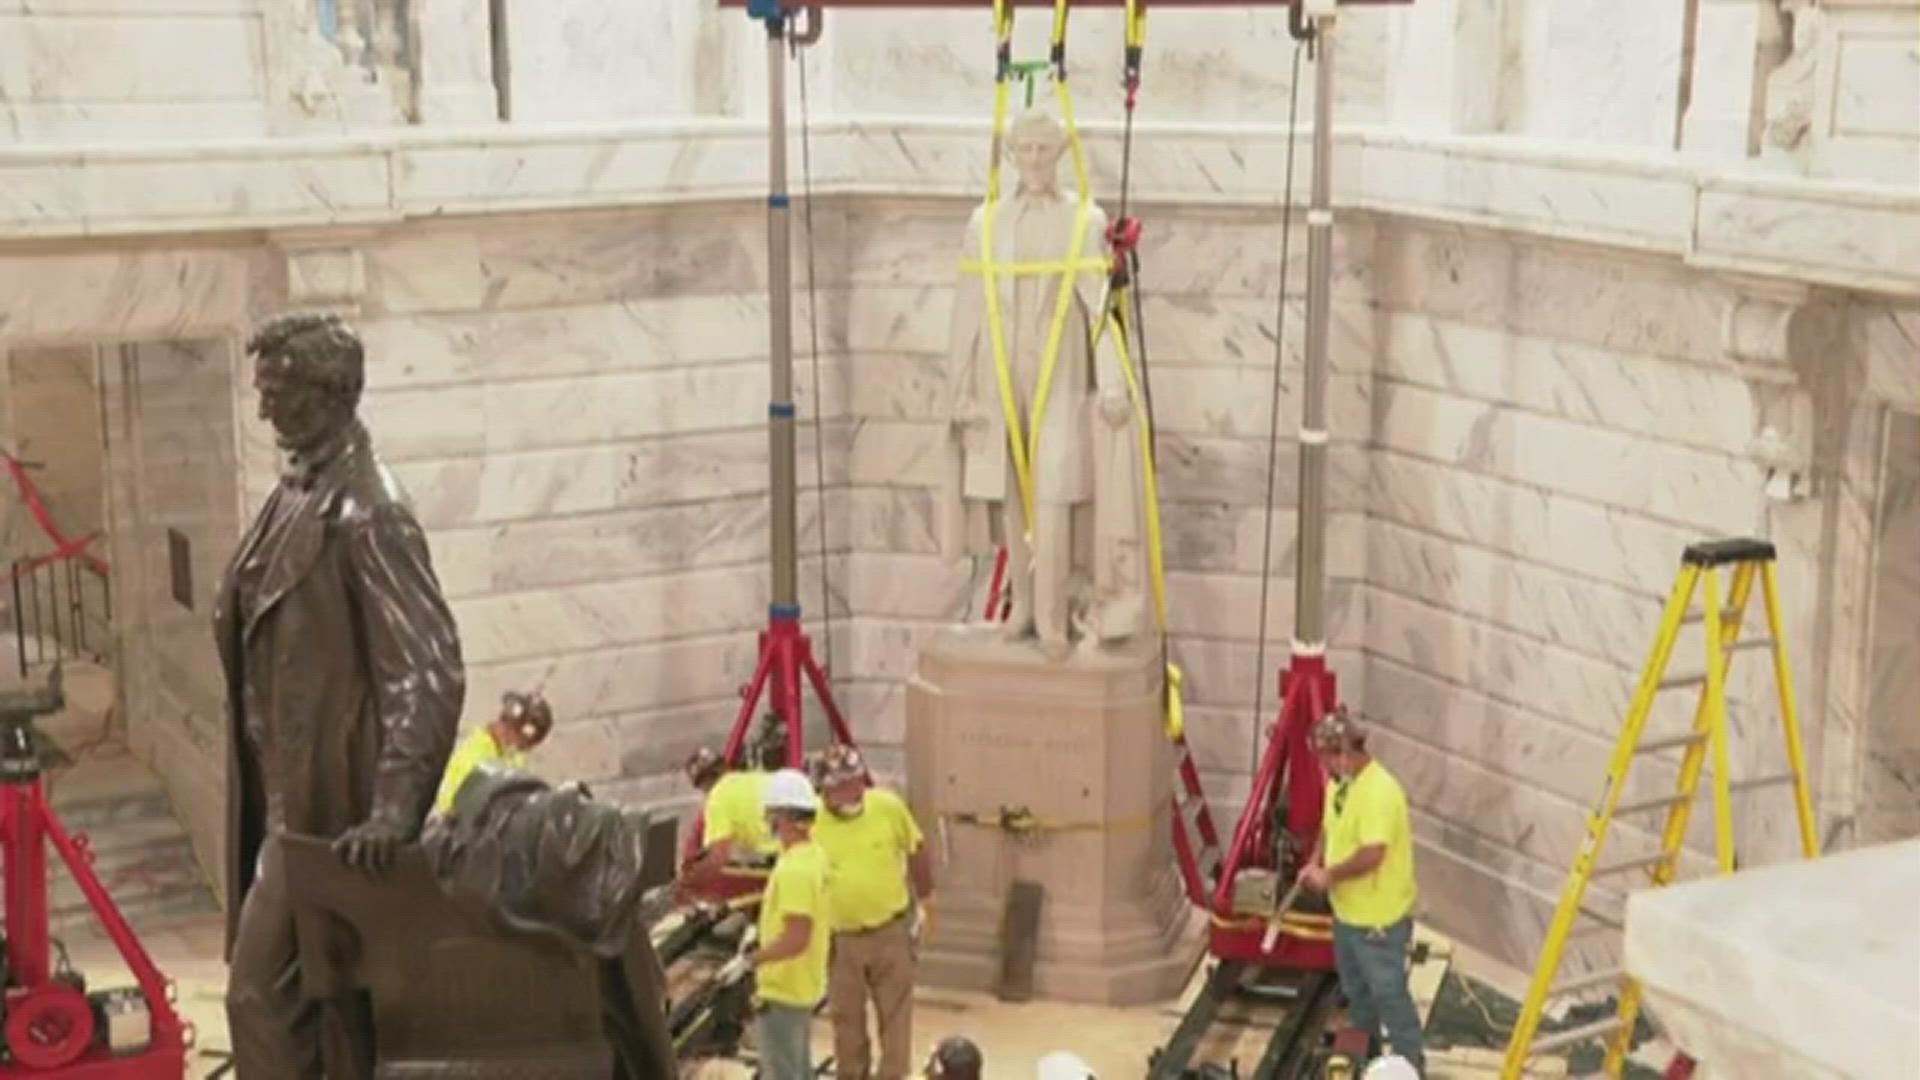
x: 788, y: 789
x: 1391, y: 1067
x: 1064, y: 1066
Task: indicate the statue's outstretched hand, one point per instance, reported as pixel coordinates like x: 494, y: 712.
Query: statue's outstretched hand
x: 370, y: 846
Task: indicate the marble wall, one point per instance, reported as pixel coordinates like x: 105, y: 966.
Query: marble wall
x: 1551, y: 427
x: 1614, y: 66
x: 1525, y: 434
x: 112, y: 70
x: 1216, y: 66
x: 1788, y: 86
x: 1890, y: 791
x: 168, y: 413
x: 577, y: 404
x: 1549, y: 364
x: 55, y: 409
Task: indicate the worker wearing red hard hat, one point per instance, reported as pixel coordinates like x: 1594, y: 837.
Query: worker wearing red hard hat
x: 523, y: 723
x: 732, y: 828
x: 1364, y: 863
x: 877, y: 851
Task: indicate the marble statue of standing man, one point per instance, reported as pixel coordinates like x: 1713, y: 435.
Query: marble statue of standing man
x: 1071, y: 549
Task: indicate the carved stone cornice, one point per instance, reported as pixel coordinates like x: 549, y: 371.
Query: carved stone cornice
x: 1757, y: 327
x: 326, y: 269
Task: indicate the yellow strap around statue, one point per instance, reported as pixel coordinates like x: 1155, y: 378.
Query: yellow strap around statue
x: 1020, y: 821
x: 1149, y: 494
x: 1023, y: 441
x: 1036, y: 268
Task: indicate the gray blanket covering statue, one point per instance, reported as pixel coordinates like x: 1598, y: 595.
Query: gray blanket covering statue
x: 555, y: 864
x: 544, y: 859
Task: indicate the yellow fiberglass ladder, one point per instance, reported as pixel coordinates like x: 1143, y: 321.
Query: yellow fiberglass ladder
x: 1699, y: 570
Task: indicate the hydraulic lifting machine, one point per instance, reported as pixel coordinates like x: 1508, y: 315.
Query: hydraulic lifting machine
x: 54, y: 1026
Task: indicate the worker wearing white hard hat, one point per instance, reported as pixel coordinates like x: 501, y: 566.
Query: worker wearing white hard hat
x: 790, y: 971
x: 1064, y: 1066
x: 1391, y: 1067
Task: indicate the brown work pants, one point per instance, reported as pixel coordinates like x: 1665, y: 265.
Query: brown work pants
x: 876, y: 963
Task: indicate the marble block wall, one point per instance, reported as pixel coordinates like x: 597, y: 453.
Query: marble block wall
x: 1206, y: 65
x: 1213, y: 279
x: 577, y: 405
x: 1890, y: 787
x: 1614, y: 65
x: 169, y: 418
x: 1551, y: 426
x: 111, y: 69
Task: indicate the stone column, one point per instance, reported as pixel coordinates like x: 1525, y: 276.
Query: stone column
x: 1737, y: 44
x: 1811, y: 432
x: 1445, y: 66
x: 455, y: 53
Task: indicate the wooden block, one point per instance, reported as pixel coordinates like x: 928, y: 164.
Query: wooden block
x: 1424, y: 981
x: 1020, y: 941
x: 659, y: 858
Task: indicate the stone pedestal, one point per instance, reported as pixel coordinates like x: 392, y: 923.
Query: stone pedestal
x: 1079, y: 744
x: 1805, y: 969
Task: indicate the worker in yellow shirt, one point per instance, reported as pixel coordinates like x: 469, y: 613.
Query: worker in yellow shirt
x: 523, y: 723
x: 1364, y: 862
x: 875, y: 849
x: 790, y: 970
x: 732, y: 827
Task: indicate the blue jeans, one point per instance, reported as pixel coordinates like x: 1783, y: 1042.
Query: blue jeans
x: 783, y: 1046
x: 1373, y: 975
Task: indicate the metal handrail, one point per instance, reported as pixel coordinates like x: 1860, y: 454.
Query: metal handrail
x: 51, y: 599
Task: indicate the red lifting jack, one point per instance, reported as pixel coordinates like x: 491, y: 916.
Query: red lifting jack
x: 54, y: 1029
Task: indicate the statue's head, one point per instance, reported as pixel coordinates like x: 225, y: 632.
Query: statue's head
x: 1035, y: 144
x: 308, y: 370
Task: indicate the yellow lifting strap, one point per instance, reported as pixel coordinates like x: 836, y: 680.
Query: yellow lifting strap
x: 1023, y: 440
x: 1136, y: 30
x: 1116, y: 318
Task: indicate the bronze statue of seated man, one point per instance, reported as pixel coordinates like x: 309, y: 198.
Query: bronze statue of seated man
x: 509, y: 937
x: 345, y: 687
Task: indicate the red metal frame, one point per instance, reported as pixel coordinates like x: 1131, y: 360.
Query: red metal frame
x: 49, y: 1024
x: 786, y: 654
x: 1308, y: 691
x: 64, y: 547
